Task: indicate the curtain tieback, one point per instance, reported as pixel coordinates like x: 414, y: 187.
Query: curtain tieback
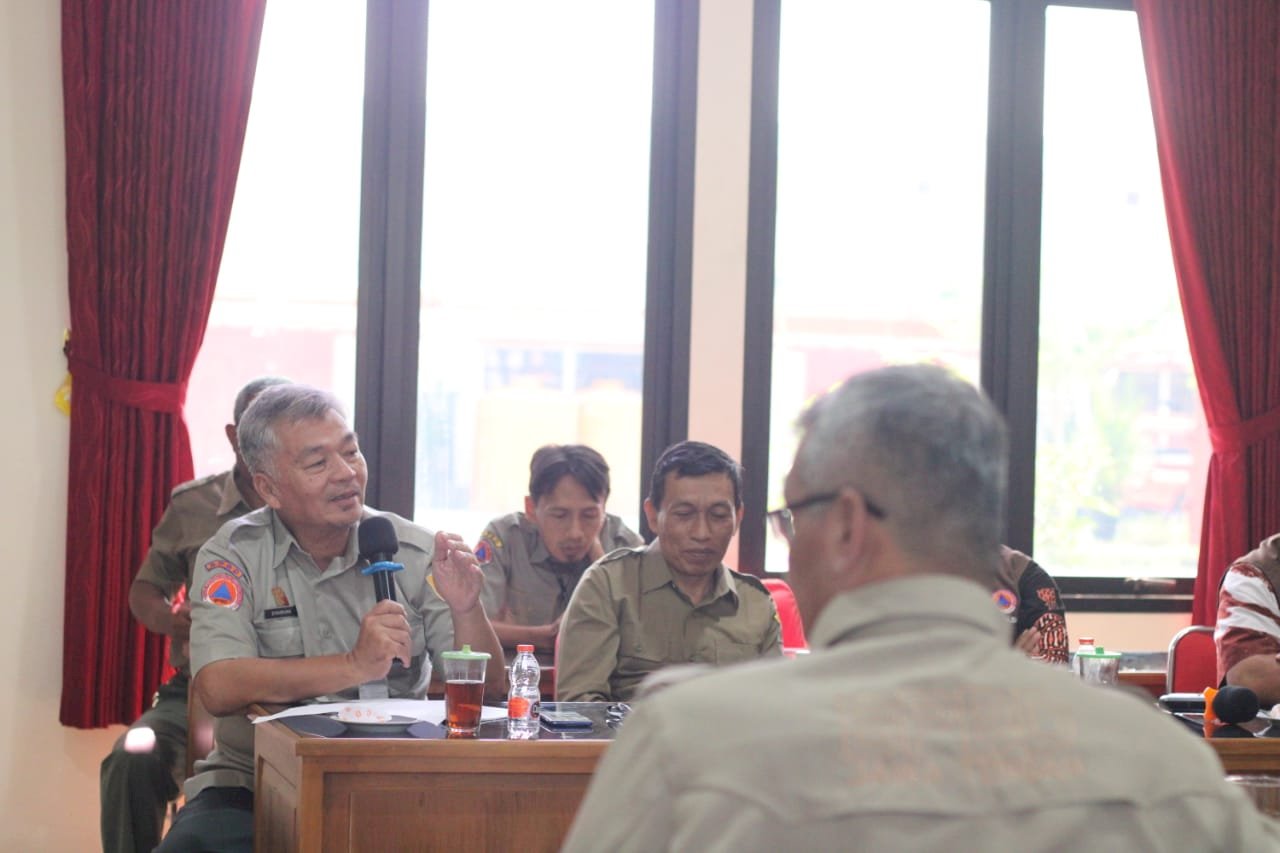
x: 165, y: 397
x: 1232, y: 438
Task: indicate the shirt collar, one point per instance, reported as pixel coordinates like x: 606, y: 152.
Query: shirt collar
x: 888, y: 606
x: 283, y: 540
x: 231, y: 497
x: 538, y: 553
x: 655, y: 573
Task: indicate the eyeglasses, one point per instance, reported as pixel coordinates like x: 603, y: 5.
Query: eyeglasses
x: 783, y: 523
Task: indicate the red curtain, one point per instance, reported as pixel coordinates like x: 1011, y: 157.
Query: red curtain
x: 1214, y: 72
x: 156, y: 96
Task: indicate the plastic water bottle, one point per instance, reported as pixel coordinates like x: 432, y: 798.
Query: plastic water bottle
x: 1086, y: 648
x: 524, y: 702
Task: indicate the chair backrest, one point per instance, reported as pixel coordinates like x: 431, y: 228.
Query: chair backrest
x: 1193, y: 661
x: 788, y: 613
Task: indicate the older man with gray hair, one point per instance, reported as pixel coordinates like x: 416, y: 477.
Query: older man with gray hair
x: 913, y: 724
x: 281, y: 612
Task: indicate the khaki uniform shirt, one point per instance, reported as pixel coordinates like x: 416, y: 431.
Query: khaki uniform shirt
x: 257, y: 594
x: 912, y: 726
x: 196, y: 510
x: 522, y: 584
x: 628, y: 619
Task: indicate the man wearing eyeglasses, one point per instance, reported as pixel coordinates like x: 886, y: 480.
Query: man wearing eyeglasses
x: 639, y: 610
x: 913, y: 724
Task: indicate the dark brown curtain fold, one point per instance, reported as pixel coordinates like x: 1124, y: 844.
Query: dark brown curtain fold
x: 156, y: 97
x: 1214, y: 72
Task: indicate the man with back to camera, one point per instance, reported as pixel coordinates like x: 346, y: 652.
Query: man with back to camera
x: 913, y: 724
x: 281, y: 612
x: 638, y: 610
x: 1247, y: 634
x: 136, y: 784
x: 533, y: 560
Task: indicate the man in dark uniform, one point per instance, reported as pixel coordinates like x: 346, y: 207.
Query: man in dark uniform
x: 142, y: 773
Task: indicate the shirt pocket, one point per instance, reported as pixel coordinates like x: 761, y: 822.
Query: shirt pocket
x: 734, y: 644
x: 642, y: 648
x: 279, y: 638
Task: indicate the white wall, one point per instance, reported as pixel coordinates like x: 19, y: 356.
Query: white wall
x: 1127, y: 632
x: 49, y: 775
x: 721, y: 167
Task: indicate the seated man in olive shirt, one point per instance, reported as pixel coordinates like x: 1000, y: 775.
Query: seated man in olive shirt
x: 533, y: 560
x: 282, y: 613
x: 638, y: 610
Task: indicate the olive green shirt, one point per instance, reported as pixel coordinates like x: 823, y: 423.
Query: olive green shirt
x: 258, y: 594
x: 628, y: 619
x: 196, y: 510
x: 523, y: 585
x: 912, y: 726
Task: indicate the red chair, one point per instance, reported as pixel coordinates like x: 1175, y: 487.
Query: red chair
x: 1193, y: 661
x: 788, y: 613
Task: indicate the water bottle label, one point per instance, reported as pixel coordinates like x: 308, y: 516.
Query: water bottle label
x: 518, y: 708
x: 535, y: 710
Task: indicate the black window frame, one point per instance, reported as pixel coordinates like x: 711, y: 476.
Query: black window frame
x: 1011, y: 279
x: 390, y: 268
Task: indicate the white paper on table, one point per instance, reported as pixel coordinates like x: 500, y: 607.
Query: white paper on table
x: 431, y: 710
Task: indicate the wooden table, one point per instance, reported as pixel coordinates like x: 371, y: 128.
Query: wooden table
x: 1150, y: 680
x: 1248, y: 755
x: 1242, y: 754
x: 388, y: 794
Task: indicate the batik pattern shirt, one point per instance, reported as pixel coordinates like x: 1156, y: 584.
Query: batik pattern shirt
x: 1040, y: 607
x: 1248, y: 617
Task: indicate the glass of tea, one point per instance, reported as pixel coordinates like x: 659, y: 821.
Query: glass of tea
x: 463, y: 690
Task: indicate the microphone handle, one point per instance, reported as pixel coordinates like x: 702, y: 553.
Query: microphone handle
x: 383, y: 586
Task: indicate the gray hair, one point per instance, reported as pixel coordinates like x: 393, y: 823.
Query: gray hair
x: 928, y: 448
x: 279, y: 404
x: 251, y: 390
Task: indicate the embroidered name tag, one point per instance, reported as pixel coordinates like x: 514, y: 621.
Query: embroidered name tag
x: 280, y: 612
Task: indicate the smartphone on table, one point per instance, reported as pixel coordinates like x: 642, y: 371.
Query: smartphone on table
x: 560, y: 721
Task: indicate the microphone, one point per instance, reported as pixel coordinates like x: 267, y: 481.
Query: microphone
x: 378, y: 544
x: 1235, y: 704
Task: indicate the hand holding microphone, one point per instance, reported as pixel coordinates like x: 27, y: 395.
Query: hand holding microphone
x: 384, y: 642
x: 378, y: 544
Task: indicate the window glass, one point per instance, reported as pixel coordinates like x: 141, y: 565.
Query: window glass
x: 882, y: 112
x: 535, y: 228
x: 286, y: 297
x: 1121, y: 444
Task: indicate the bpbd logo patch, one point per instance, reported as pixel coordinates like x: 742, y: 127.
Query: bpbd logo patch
x: 223, y: 591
